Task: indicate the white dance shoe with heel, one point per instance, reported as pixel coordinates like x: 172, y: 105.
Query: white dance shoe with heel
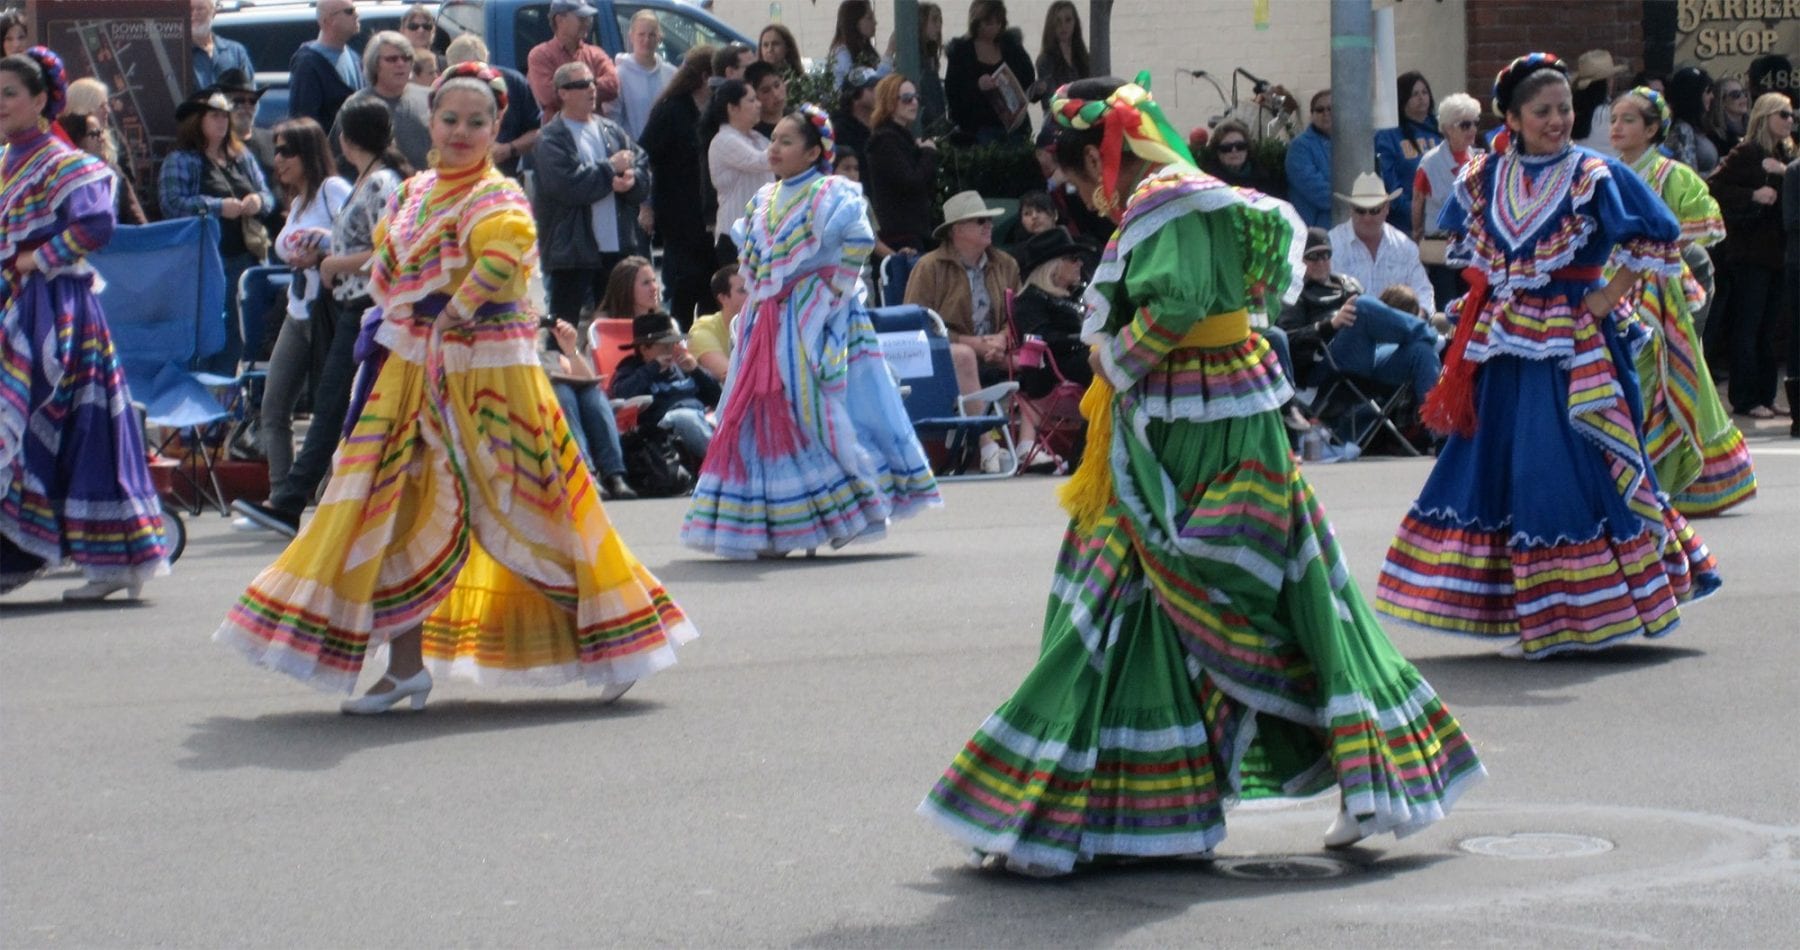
x: 416, y: 686
x: 95, y: 591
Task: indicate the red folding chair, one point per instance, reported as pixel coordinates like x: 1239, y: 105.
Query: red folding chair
x: 1056, y: 415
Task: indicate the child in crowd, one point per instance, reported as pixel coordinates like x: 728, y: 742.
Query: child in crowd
x: 661, y: 368
x: 709, y: 339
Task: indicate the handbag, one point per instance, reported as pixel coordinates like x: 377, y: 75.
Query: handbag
x: 256, y: 236
x: 1432, y: 250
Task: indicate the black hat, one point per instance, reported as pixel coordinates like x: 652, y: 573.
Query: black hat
x: 208, y: 99
x: 233, y: 82
x: 653, y: 327
x: 1317, y: 238
x: 1047, y: 246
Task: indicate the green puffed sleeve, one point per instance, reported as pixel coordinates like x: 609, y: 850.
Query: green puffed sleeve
x: 1191, y: 267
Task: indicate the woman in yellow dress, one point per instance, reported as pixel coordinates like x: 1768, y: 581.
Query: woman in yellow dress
x: 461, y: 528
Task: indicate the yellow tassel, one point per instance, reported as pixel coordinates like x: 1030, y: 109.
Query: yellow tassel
x: 1089, y: 492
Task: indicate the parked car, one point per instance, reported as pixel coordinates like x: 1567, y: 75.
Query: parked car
x: 273, y: 29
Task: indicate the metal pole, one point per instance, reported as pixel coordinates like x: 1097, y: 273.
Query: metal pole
x: 906, y: 52
x: 1100, y: 36
x: 1352, y: 101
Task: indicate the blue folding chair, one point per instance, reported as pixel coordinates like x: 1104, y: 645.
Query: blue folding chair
x: 261, y: 291
x: 918, y: 350
x: 162, y: 325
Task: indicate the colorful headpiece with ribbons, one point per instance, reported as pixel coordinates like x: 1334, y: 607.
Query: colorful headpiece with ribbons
x: 1659, y: 103
x: 1128, y: 117
x: 827, y: 136
x: 56, y: 84
x: 1507, y: 80
x: 481, y: 73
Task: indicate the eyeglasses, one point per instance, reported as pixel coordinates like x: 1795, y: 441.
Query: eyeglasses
x: 286, y: 151
x: 1735, y: 94
x: 1465, y: 125
x: 1371, y: 212
x: 1784, y: 114
x: 1233, y: 147
x: 396, y: 58
x: 908, y: 98
x: 93, y: 134
x: 419, y: 25
x: 575, y: 84
x: 1320, y: 255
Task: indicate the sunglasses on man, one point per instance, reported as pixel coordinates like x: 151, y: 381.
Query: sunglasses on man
x: 1370, y: 212
x: 575, y: 84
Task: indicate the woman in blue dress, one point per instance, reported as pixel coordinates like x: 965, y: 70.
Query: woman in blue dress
x: 1542, y: 525
x: 813, y: 446
x: 73, y: 482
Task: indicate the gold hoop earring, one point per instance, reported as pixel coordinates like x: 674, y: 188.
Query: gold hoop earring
x: 431, y: 158
x: 1104, y: 202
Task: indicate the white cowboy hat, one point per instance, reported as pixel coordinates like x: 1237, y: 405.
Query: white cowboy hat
x: 1368, y: 192
x: 1596, y: 65
x: 964, y: 206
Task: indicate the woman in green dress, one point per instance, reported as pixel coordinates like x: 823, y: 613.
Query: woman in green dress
x: 1204, y: 641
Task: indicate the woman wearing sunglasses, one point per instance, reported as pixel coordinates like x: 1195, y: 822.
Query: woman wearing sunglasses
x: 1227, y: 158
x: 1458, y: 117
x: 388, y: 69
x: 421, y: 30
x: 900, y: 169
x: 1747, y: 184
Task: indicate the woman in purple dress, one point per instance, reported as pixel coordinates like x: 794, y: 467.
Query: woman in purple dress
x: 73, y: 483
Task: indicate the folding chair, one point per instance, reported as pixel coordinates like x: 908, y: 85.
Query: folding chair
x: 895, y: 270
x: 1369, y: 406
x: 917, y: 348
x: 1056, y: 415
x: 160, y: 335
x: 260, y: 290
x: 607, y: 341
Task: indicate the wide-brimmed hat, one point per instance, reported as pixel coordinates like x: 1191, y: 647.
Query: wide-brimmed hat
x: 203, y: 101
x: 1368, y: 192
x: 1047, y: 246
x: 650, y: 328
x: 233, y: 82
x: 964, y: 206
x: 1596, y: 65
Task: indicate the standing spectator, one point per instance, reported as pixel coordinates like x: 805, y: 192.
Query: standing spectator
x: 677, y: 167
x: 1374, y: 252
x: 1593, y: 80
x: 643, y: 74
x: 387, y: 67
x: 1690, y: 99
x: 427, y: 66
x: 856, y: 109
x: 244, y: 97
x: 1227, y: 158
x: 421, y: 32
x: 1730, y: 110
x: 737, y: 159
x: 1790, y: 222
x: 680, y: 393
x: 1398, y: 150
x: 367, y: 141
x: 212, y: 55
x: 1748, y: 185
x: 853, y: 42
x: 518, y: 132
x: 303, y: 168
x: 900, y: 170
x: 775, y: 45
x: 324, y: 72
x: 969, y: 75
x: 932, y: 109
x: 965, y: 280
x: 580, y: 392
x: 1458, y: 117
x: 571, y: 23
x: 591, y: 178
x: 1309, y: 165
x: 15, y: 34
x: 210, y: 172
x: 709, y: 339
x: 730, y: 62
x: 89, y: 96
x: 1062, y: 55
x: 771, y: 95
x: 90, y: 136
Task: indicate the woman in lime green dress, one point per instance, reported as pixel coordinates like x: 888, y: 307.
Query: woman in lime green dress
x: 1204, y: 641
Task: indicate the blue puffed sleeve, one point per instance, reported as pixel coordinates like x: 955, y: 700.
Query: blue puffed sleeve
x: 1637, y: 221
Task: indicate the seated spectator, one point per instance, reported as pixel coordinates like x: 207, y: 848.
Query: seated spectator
x: 1367, y: 337
x: 571, y: 23
x: 1227, y: 158
x: 1037, y: 215
x: 1374, y: 252
x: 1050, y: 308
x: 965, y: 281
x: 709, y: 339
x: 90, y: 136
x: 737, y: 159
x: 1398, y: 150
x: 387, y: 70
x: 632, y: 290
x: 590, y: 181
x: 581, y: 396
x: 661, y: 368
x: 856, y: 109
x: 1309, y: 165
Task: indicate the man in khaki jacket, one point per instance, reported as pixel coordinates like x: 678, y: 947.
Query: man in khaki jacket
x: 965, y: 280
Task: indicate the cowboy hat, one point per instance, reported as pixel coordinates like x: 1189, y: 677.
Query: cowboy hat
x: 1596, y: 65
x: 964, y: 206
x: 1047, y: 246
x: 1368, y: 193
x: 206, y: 100
x: 651, y: 328
x: 233, y: 82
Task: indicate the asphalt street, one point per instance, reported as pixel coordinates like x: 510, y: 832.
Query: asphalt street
x: 158, y: 791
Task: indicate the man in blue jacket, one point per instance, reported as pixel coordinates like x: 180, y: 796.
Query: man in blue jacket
x: 1309, y: 165
x: 214, y: 55
x: 324, y: 72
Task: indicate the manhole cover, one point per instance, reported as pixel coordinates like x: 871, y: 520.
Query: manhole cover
x: 1536, y: 845
x: 1290, y: 868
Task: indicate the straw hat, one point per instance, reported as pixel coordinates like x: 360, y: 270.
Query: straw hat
x: 1596, y: 65
x: 1368, y: 192
x: 964, y: 206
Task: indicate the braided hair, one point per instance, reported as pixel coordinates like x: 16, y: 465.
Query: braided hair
x: 41, y: 71
x: 815, y: 126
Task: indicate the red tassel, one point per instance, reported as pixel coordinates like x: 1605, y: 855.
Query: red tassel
x: 760, y: 401
x: 1450, y: 409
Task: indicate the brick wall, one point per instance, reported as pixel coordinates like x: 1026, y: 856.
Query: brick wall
x: 1501, y: 30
